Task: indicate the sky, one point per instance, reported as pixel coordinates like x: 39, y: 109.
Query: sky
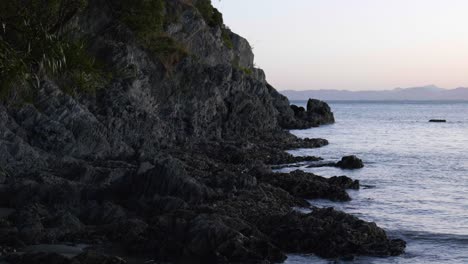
x: 354, y: 44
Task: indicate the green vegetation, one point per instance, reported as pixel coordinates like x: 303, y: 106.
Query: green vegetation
x: 147, y: 19
x: 211, y: 15
x: 246, y: 70
x: 214, y: 19
x: 227, y: 39
x: 34, y: 43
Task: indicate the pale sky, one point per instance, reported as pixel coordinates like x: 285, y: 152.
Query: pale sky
x: 355, y: 44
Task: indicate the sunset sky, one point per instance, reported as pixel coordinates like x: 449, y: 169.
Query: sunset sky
x: 355, y: 44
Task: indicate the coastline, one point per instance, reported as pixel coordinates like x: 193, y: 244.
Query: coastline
x: 168, y: 160
x: 244, y: 205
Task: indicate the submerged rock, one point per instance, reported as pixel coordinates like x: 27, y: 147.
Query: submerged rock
x: 350, y: 162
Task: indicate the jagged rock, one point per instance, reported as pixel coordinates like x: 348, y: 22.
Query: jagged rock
x: 103, y: 213
x: 317, y: 113
x: 167, y: 178
x: 298, y: 110
x: 310, y: 186
x: 350, y: 162
x: 344, y: 182
x: 29, y: 224
x: 207, y: 238
x: 330, y: 234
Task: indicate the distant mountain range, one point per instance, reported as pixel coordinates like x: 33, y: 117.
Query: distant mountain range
x: 425, y: 93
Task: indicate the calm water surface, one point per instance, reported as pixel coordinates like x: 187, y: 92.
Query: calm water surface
x: 415, y: 177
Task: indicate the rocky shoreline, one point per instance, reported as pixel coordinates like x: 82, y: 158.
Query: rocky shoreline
x: 216, y: 203
x: 170, y: 160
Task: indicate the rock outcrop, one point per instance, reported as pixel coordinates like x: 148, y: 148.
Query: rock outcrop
x: 168, y: 159
x: 350, y: 162
x: 317, y: 113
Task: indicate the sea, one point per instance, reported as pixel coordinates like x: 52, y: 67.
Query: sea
x: 415, y: 180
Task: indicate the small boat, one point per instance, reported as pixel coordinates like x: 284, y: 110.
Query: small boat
x: 438, y: 121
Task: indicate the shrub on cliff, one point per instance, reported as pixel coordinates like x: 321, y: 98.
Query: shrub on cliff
x: 211, y: 15
x: 214, y: 18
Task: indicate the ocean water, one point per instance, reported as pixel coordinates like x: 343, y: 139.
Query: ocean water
x: 415, y: 180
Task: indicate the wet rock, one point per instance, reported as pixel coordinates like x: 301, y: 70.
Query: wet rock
x: 310, y: 186
x: 307, y: 143
x: 344, y: 182
x: 298, y: 110
x: 322, y: 164
x: 329, y: 233
x: 350, y: 162
x: 317, y: 113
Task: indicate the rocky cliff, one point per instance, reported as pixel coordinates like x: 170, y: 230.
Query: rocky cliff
x: 165, y: 157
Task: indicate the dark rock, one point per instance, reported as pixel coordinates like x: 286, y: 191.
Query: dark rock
x: 319, y: 111
x: 103, y: 213
x: 310, y: 186
x: 91, y: 257
x: 3, y: 176
x: 5, y: 251
x: 39, y: 258
x: 87, y: 257
x: 330, y: 234
x: 350, y: 162
x: 438, y: 121
x: 344, y: 182
x: 298, y: 110
x: 167, y: 178
x: 207, y: 238
x: 322, y: 164
x: 29, y: 223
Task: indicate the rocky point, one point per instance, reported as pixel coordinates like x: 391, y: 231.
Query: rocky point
x: 170, y: 158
